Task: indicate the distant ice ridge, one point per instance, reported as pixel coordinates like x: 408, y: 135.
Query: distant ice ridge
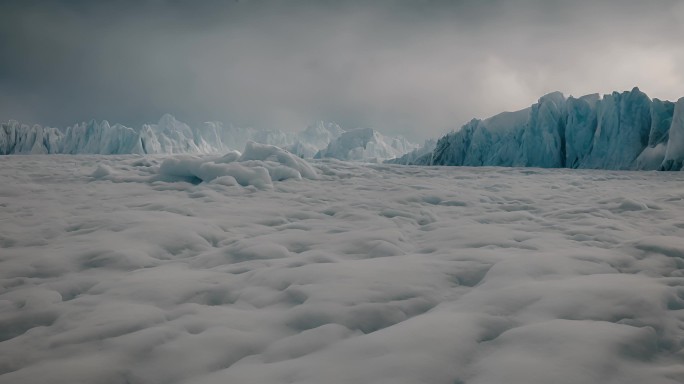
x: 619, y: 131
x: 411, y: 157
x: 365, y: 144
x: 167, y: 136
x: 170, y: 136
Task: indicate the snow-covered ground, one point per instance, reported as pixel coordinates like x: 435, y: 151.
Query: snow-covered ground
x: 114, y: 270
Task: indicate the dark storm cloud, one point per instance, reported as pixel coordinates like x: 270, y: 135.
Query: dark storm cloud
x: 412, y: 67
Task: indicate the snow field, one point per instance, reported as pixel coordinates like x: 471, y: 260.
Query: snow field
x: 128, y: 269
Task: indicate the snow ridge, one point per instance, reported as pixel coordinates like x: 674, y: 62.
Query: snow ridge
x: 620, y: 131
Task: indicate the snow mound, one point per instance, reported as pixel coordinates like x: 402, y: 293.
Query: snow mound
x: 102, y: 172
x: 273, y: 154
x: 259, y: 166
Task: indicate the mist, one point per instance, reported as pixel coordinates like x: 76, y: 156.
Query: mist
x: 416, y: 68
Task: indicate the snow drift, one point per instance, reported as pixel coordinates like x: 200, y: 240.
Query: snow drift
x: 259, y: 166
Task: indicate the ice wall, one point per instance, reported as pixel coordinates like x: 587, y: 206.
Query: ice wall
x: 624, y: 130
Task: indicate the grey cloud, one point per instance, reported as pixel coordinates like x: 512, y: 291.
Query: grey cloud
x: 416, y: 68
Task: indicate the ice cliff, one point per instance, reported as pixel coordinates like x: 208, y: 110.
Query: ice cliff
x: 624, y: 130
x: 168, y: 136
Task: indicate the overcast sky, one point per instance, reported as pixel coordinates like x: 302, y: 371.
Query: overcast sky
x: 417, y: 68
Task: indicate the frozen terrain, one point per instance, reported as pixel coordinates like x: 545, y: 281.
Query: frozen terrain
x: 624, y: 130
x: 170, y: 136
x: 365, y: 144
x: 262, y: 268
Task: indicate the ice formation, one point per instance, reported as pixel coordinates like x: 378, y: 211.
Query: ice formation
x: 411, y: 157
x: 170, y: 136
x: 674, y: 153
x: 365, y: 144
x: 314, y: 138
x: 619, y: 131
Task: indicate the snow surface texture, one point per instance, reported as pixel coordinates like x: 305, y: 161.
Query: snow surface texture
x: 367, y: 274
x: 619, y: 131
x: 172, y: 136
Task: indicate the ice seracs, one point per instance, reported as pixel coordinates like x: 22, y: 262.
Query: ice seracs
x: 314, y: 138
x: 24, y: 139
x: 580, y: 125
x: 674, y: 154
x: 413, y: 156
x: 624, y: 130
x: 171, y: 136
x: 365, y: 144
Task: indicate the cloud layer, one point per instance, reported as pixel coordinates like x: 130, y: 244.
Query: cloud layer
x: 416, y: 68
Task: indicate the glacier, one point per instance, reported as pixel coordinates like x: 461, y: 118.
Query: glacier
x: 619, y: 131
x: 168, y: 136
x: 363, y: 144
x: 410, y: 157
x: 171, y: 136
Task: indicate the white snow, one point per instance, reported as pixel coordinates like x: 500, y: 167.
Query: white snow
x: 258, y: 166
x: 116, y: 269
